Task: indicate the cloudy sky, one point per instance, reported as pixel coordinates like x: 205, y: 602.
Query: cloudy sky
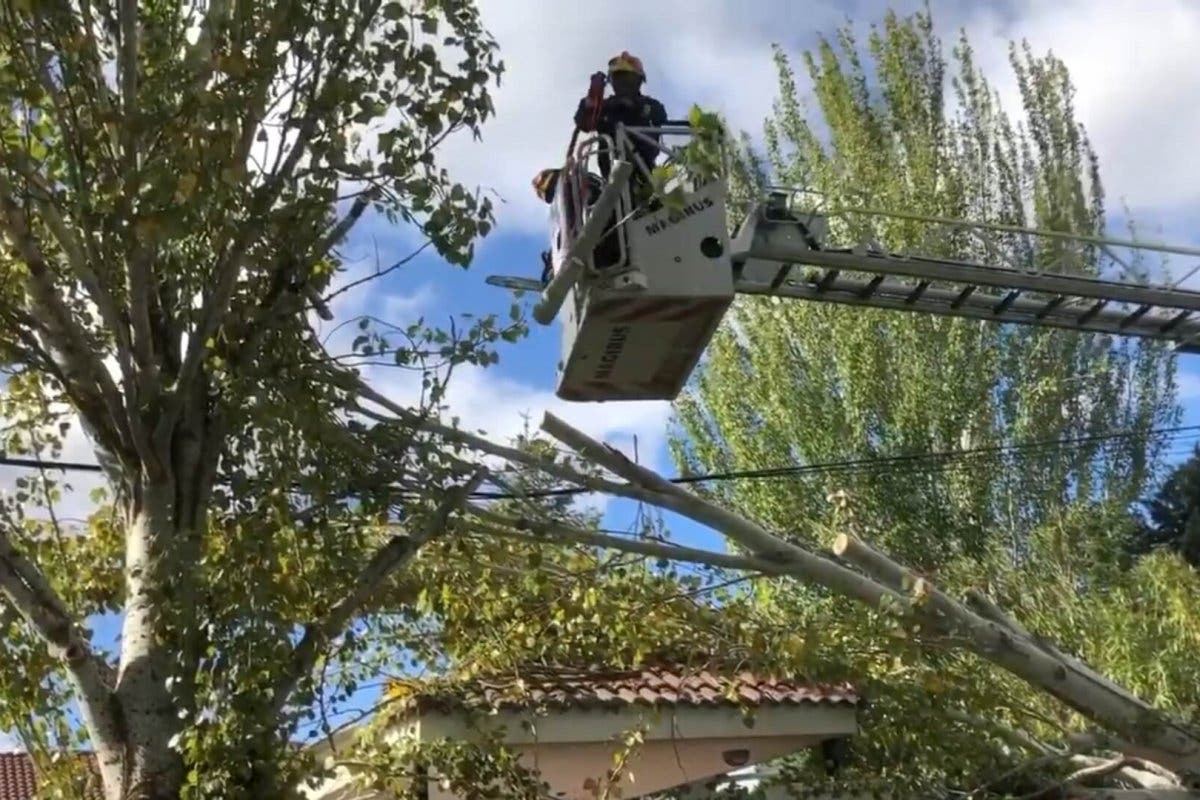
x: 1132, y: 62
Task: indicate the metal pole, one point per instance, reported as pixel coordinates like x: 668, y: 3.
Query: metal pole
x: 555, y: 292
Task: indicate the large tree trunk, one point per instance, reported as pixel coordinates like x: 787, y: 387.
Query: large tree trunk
x: 152, y: 770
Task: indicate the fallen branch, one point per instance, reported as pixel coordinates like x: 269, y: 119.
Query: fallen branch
x: 1159, y: 738
x: 792, y: 558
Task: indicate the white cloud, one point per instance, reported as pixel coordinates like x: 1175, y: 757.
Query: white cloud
x: 9, y: 743
x: 1132, y: 64
x: 707, y: 51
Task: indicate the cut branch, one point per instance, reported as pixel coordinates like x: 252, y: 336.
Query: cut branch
x: 538, y: 531
x: 1134, y: 770
x: 989, y: 610
x: 421, y: 422
x: 795, y: 559
x: 1160, y: 738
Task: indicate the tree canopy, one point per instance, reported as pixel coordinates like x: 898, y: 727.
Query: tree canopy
x: 1047, y: 437
x: 1171, y: 520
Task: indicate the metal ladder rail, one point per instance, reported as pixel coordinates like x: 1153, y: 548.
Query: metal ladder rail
x: 1060, y: 310
x: 967, y: 273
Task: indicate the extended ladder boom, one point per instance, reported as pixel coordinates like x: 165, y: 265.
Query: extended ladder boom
x: 771, y: 251
x: 641, y: 285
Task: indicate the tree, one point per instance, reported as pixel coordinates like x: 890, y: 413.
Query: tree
x: 1173, y: 521
x: 174, y: 182
x: 813, y: 383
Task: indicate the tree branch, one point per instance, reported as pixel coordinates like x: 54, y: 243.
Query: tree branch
x: 199, y: 56
x: 216, y: 303
x: 57, y: 323
x: 538, y: 531
x: 989, y: 610
x: 271, y: 304
x: 77, y: 258
x: 1169, y: 743
x: 128, y: 62
x: 396, y: 553
x: 795, y: 559
x: 421, y: 422
x: 31, y: 595
x: 1129, y: 769
x: 1011, y: 647
x: 1133, y: 794
x: 1013, y: 735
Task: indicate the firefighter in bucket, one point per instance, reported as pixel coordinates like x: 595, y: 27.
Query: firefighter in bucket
x: 626, y: 105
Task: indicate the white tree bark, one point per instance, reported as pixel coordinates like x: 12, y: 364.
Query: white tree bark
x: 31, y: 595
x: 149, y: 711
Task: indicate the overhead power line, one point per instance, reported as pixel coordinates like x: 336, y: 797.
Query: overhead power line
x: 929, y: 461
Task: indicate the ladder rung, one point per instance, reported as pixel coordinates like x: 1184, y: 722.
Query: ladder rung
x: 1008, y: 300
x: 1135, y: 316
x: 827, y: 279
x: 781, y: 276
x: 1180, y: 317
x: 1053, y: 304
x: 1093, y: 311
x: 870, y: 288
x: 916, y: 293
x: 963, y: 295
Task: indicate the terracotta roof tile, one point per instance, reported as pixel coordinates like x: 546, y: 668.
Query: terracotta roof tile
x: 652, y: 686
x: 18, y: 779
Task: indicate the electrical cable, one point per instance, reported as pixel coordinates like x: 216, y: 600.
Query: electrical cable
x: 911, y: 461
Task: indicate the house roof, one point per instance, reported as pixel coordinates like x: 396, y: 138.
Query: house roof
x: 18, y: 778
x: 562, y: 688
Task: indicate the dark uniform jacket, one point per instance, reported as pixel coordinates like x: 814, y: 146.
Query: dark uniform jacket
x: 636, y: 110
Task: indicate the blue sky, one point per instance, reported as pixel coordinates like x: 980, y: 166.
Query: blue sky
x: 1129, y: 61
x: 1132, y: 62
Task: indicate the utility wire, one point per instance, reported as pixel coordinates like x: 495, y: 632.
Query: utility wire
x: 914, y: 461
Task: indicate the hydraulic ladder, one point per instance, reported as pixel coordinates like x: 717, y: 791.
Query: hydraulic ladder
x: 780, y: 253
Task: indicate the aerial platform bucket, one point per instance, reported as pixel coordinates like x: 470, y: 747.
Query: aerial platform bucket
x: 640, y: 338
